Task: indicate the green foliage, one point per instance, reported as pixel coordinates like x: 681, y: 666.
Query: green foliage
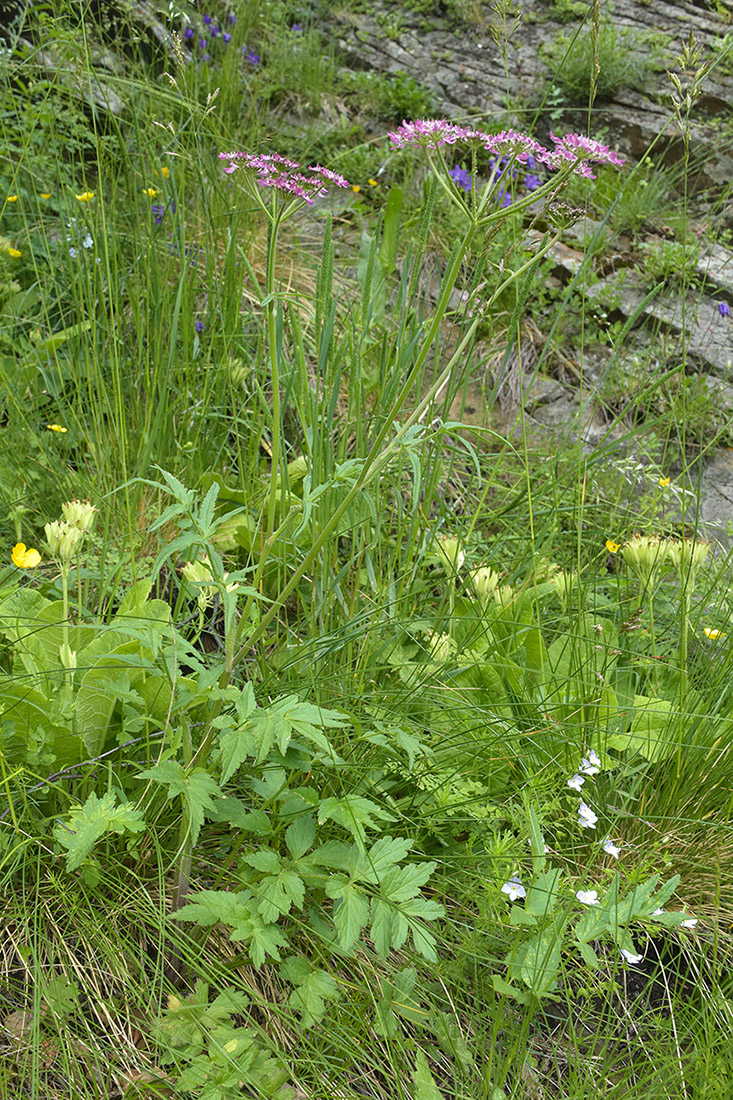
x: 626, y: 59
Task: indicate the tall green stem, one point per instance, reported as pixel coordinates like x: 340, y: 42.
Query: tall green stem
x: 274, y: 367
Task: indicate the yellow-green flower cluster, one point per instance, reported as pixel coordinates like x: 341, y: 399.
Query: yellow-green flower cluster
x: 65, y: 536
x: 199, y: 573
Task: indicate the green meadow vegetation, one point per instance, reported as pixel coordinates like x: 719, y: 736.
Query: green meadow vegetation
x: 345, y: 750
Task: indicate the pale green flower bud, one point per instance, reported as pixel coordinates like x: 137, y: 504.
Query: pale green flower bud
x: 503, y: 595
x: 63, y: 539
x: 686, y: 555
x: 646, y: 555
x: 67, y: 656
x: 442, y: 647
x: 80, y: 513
x: 198, y: 572
x: 449, y: 553
x: 485, y: 581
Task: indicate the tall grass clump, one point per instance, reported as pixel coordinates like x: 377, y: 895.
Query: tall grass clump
x: 343, y: 751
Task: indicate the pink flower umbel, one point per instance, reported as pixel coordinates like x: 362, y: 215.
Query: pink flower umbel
x: 578, y: 147
x: 283, y: 175
x: 431, y: 133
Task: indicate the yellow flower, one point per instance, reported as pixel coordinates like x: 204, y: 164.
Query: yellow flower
x: 12, y: 198
x: 664, y: 482
x: 165, y: 171
x: 713, y: 634
x: 14, y: 253
x: 372, y: 183
x: 612, y: 547
x: 355, y: 188
x: 25, y: 559
x: 86, y: 196
x: 150, y: 192
x: 56, y: 428
x: 45, y: 194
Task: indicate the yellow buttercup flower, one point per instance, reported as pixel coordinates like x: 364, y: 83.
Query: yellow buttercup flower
x: 86, y: 196
x: 372, y: 183
x: 23, y: 558
x: 612, y: 547
x: 664, y: 482
x: 14, y: 253
x: 12, y: 198
x: 56, y: 428
x: 45, y: 194
x: 713, y: 634
x: 164, y: 172
x: 355, y: 188
x: 150, y: 192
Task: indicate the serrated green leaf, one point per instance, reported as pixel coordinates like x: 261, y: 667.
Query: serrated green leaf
x: 197, y: 788
x: 354, y: 812
x: 313, y: 989
x: 277, y: 894
x: 423, y: 1081
x: 350, y: 913
x: 589, y: 956
x: 383, y: 855
x: 300, y: 835
x: 400, y: 884
x: 87, y: 823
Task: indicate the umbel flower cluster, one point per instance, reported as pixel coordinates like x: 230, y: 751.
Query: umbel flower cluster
x: 575, y: 149
x: 283, y: 175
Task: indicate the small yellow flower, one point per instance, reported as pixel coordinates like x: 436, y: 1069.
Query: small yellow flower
x: 664, y: 482
x: 14, y: 253
x: 25, y: 559
x: 86, y: 196
x: 165, y: 171
x: 713, y: 634
x: 372, y: 183
x: 12, y: 198
x: 150, y: 192
x: 45, y: 194
x: 355, y: 188
x: 56, y: 428
x: 612, y: 547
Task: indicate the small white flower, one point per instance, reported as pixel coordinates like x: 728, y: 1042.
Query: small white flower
x: 586, y: 817
x: 87, y: 242
x: 576, y: 782
x: 611, y: 849
x: 657, y: 912
x: 514, y: 889
x: 688, y: 923
x: 587, y: 897
x: 591, y: 764
x: 630, y: 957
x: 72, y: 252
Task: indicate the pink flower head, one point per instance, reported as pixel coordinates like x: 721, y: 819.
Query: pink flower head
x: 282, y: 174
x: 514, y: 146
x: 431, y: 133
x: 559, y: 157
x: 581, y: 146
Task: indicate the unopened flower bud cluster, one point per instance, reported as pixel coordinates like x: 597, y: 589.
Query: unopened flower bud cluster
x: 65, y: 536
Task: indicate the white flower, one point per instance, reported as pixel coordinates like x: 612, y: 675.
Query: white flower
x: 514, y: 889
x: 576, y: 782
x: 657, y: 912
x: 586, y: 817
x: 72, y: 252
x: 690, y: 923
x: 87, y: 242
x: 630, y: 957
x: 611, y: 849
x: 591, y: 764
x: 587, y: 897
